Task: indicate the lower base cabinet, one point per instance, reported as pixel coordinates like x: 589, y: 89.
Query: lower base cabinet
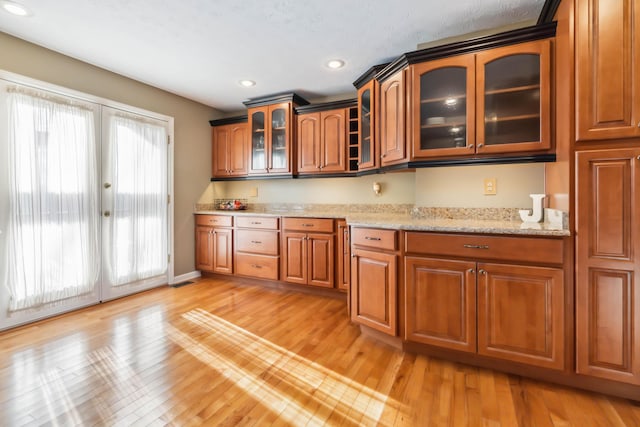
x: 505, y: 311
x: 374, y: 278
x: 214, y: 243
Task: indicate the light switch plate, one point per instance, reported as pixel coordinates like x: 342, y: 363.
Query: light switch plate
x: 490, y: 186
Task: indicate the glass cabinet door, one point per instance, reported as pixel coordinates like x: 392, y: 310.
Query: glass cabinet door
x: 258, y: 162
x: 279, y: 153
x: 513, y: 98
x: 366, y: 142
x: 444, y: 107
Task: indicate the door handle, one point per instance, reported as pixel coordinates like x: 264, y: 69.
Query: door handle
x: 107, y: 213
x: 107, y: 185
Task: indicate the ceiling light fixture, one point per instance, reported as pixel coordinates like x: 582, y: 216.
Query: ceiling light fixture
x: 335, y: 64
x: 15, y: 8
x: 247, y: 83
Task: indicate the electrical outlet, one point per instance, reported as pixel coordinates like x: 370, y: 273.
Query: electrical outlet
x: 253, y: 192
x: 490, y: 186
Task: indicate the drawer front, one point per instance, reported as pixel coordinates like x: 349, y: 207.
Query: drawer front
x: 215, y: 220
x: 261, y: 266
x: 375, y: 238
x: 261, y: 222
x: 257, y: 241
x: 322, y: 225
x: 526, y: 249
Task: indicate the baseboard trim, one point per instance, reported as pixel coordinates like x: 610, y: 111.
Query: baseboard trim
x: 185, y: 277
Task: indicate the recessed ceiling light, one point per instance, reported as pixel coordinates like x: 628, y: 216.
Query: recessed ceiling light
x: 335, y: 64
x: 15, y: 8
x: 247, y: 83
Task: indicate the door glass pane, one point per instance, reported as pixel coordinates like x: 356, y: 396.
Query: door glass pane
x: 135, y: 238
x: 278, y: 139
x: 512, y: 99
x: 365, y: 127
x: 443, y: 108
x: 52, y: 235
x: 258, y: 156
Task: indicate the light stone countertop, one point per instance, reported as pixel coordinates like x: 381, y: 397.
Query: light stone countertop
x: 405, y: 221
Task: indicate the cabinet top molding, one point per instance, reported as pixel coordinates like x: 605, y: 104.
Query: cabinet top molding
x: 229, y: 120
x: 312, y: 108
x: 275, y: 99
x: 520, y: 35
x: 369, y: 74
x: 549, y: 9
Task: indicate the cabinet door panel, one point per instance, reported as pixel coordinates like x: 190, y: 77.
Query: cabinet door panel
x: 513, y: 96
x: 367, y: 96
x: 321, y: 256
x: 334, y: 136
x: 444, y: 107
x: 223, y: 251
x: 392, y: 119
x: 204, y: 248
x: 441, y: 303
x: 374, y: 290
x: 607, y: 66
x: 221, y: 136
x: 521, y: 314
x: 294, y: 257
x: 309, y: 142
x: 259, y: 144
x: 608, y: 265
x: 279, y: 146
x: 238, y: 153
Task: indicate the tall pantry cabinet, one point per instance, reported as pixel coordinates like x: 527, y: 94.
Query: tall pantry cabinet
x: 607, y: 189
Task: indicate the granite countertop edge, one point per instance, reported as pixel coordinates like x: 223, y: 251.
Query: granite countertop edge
x: 407, y: 222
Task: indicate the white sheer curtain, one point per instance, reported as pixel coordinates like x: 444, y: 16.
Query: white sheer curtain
x: 53, y: 235
x: 137, y: 228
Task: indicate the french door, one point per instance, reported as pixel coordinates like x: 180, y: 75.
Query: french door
x: 83, y: 203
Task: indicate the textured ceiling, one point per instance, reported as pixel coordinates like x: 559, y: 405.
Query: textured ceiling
x: 201, y: 48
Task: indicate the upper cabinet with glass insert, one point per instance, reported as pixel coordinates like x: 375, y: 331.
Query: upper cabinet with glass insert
x: 271, y: 127
x: 494, y: 101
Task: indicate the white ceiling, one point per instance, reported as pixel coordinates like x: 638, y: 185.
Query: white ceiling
x: 200, y: 49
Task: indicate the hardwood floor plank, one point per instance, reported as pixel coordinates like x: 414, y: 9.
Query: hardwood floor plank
x: 221, y: 352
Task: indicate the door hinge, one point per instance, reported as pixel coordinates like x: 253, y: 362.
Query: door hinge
x: 168, y: 139
x: 168, y: 199
x: 168, y: 257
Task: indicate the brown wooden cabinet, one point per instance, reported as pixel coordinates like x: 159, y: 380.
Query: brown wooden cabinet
x: 393, y: 141
x: 321, y: 138
x: 230, y: 150
x: 367, y: 107
x: 270, y: 146
x: 308, y: 257
x: 441, y: 302
x: 343, y: 256
x: 607, y: 69
x: 374, y: 279
x: 507, y: 310
x: 257, y: 247
x: 494, y: 101
x: 214, y: 243
x: 608, y: 264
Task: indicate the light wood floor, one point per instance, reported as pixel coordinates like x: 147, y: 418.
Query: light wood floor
x: 217, y: 353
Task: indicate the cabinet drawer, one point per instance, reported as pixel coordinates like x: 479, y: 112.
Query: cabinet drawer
x: 375, y: 238
x: 323, y: 225
x: 215, y: 220
x: 257, y: 241
x: 263, y: 222
x: 261, y: 266
x: 527, y: 249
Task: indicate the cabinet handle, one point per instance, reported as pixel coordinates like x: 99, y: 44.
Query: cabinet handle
x: 256, y: 266
x: 638, y: 157
x: 256, y: 222
x: 372, y: 238
x: 482, y: 271
x: 257, y: 242
x: 470, y: 146
x: 477, y: 246
x: 354, y: 256
x: 307, y: 225
x: 472, y: 271
x: 480, y: 145
x: 382, y: 156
